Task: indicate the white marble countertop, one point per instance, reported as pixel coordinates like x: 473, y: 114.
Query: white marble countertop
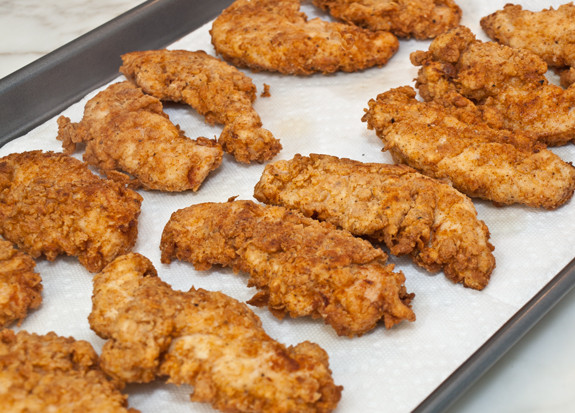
x: 537, y: 375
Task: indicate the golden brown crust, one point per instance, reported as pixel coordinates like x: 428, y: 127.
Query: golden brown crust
x: 447, y: 139
x: 509, y: 82
x: 20, y: 286
x: 549, y: 33
x: 52, y: 204
x: 566, y: 76
x: 205, y: 339
x: 457, y: 61
x: 130, y: 139
x: 274, y: 35
x: 215, y: 89
x: 420, y: 19
x: 409, y: 212
x: 302, y: 267
x: 41, y: 373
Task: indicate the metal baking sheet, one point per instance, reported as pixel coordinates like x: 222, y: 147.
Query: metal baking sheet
x: 46, y: 87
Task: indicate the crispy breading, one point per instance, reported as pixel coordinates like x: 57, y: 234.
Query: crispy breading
x: 275, y: 35
x: 458, y: 61
x: 52, y: 204
x: 509, y: 82
x: 411, y: 213
x: 20, y: 285
x: 566, y: 76
x: 50, y: 373
x: 549, y: 33
x: 447, y: 139
x: 206, y: 339
x: 215, y: 89
x: 420, y: 19
x: 129, y: 138
x: 300, y: 266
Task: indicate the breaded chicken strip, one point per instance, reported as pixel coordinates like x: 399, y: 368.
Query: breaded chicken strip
x: 275, y: 35
x: 130, y: 139
x: 509, y: 82
x: 49, y: 373
x: 52, y: 204
x: 301, y: 266
x: 411, y: 213
x: 20, y: 286
x: 206, y: 339
x: 447, y: 139
x: 212, y: 87
x: 421, y: 19
x: 549, y: 33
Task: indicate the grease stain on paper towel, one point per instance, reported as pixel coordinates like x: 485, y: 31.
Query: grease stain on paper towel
x: 294, y: 128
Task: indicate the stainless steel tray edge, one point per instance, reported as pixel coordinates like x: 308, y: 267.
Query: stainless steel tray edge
x: 502, y: 341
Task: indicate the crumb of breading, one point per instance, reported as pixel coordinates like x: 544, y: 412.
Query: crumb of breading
x: 266, y: 92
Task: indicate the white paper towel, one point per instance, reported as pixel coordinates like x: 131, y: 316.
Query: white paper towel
x: 385, y: 370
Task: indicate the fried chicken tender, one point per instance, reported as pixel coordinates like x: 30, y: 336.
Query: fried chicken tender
x: 409, y: 212
x: 206, y: 339
x: 130, y: 139
x: 274, y: 35
x: 300, y: 266
x: 421, y: 19
x: 508, y: 82
x: 447, y: 139
x: 50, y: 373
x: 549, y: 33
x: 52, y: 204
x: 20, y: 285
x: 214, y: 89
